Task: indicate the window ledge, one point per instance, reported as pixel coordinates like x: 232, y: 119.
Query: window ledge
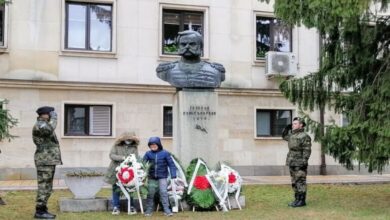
x: 87, y: 137
x: 170, y: 58
x: 167, y: 138
x: 93, y: 54
x: 4, y: 49
x: 268, y: 138
x: 259, y: 62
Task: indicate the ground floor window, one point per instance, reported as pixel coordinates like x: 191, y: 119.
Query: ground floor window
x: 88, y: 120
x: 167, y: 121
x: 271, y: 122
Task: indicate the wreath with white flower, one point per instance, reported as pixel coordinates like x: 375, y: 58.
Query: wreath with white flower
x: 224, y: 182
x: 234, y: 179
x: 132, y: 178
x: 177, y: 187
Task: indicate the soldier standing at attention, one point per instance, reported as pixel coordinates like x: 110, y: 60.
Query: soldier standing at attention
x: 47, y: 156
x: 299, y: 145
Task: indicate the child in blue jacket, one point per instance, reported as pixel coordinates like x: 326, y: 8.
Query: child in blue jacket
x: 159, y: 160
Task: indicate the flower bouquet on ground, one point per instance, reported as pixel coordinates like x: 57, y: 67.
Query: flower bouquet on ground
x: 224, y: 182
x: 177, y: 187
x: 200, y: 194
x: 132, y: 179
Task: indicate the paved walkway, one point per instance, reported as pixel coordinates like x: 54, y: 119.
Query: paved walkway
x: 248, y: 180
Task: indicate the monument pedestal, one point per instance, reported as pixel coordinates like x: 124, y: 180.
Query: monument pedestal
x: 195, y: 126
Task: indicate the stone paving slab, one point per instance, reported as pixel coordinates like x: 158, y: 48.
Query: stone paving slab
x: 248, y: 180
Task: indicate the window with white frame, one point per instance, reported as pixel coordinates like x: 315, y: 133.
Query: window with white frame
x: 88, y: 120
x: 271, y: 122
x: 174, y: 21
x: 88, y: 26
x: 272, y: 34
x: 167, y: 121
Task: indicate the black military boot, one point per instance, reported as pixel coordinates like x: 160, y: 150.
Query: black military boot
x: 301, y: 200
x: 2, y: 202
x: 42, y: 213
x: 295, y: 201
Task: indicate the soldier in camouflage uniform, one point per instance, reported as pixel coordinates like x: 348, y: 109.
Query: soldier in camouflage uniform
x: 47, y: 156
x: 299, y: 144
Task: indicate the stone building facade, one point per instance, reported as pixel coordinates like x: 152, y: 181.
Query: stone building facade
x: 95, y: 60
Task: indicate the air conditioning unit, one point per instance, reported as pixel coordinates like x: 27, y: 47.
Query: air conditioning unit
x: 280, y: 63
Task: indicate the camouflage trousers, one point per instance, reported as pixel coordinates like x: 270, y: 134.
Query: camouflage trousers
x: 45, y: 175
x: 298, y: 178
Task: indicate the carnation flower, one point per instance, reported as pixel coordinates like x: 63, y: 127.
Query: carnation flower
x: 201, y: 183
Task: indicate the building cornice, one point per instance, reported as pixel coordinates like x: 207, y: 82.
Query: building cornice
x: 123, y: 87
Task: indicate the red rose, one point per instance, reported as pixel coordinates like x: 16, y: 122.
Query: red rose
x: 232, y: 178
x: 201, y: 183
x: 126, y: 175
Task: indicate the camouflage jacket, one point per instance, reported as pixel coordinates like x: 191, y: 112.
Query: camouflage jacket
x: 48, y: 149
x: 299, y: 145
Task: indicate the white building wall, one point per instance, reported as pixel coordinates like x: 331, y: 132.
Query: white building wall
x: 36, y: 36
x: 34, y: 54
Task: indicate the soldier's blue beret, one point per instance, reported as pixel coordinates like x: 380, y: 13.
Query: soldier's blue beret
x: 300, y: 120
x: 44, y: 110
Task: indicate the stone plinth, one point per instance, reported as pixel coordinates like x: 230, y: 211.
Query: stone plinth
x: 233, y: 203
x: 186, y: 207
x: 195, y: 126
x: 123, y: 205
x: 83, y: 205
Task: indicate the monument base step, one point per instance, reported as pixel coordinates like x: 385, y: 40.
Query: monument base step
x: 82, y: 205
x: 186, y: 207
x: 105, y: 204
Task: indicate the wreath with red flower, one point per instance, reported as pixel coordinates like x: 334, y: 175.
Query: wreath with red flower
x: 232, y: 178
x: 132, y: 174
x: 201, y: 183
x: 126, y: 174
x: 201, y: 194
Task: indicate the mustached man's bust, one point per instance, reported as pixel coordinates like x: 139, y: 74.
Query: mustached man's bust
x: 190, y: 71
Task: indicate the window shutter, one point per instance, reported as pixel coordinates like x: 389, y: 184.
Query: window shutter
x: 100, y: 120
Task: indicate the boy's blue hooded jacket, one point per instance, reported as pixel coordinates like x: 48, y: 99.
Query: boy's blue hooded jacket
x: 159, y: 161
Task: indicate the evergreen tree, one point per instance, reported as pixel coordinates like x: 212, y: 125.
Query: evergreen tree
x: 6, y: 122
x: 353, y: 78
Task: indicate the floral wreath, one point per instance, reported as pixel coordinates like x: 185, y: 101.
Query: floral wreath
x: 200, y: 192
x: 132, y: 177
x: 131, y: 172
x: 126, y: 174
x: 234, y: 180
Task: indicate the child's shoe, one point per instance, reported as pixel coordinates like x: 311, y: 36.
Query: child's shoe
x: 168, y: 214
x: 116, y: 211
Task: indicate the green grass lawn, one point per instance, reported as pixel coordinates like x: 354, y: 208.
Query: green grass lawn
x: 262, y: 202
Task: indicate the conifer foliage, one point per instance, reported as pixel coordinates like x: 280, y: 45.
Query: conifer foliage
x: 353, y: 78
x: 6, y: 122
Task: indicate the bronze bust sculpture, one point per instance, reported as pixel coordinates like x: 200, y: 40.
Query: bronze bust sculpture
x: 190, y: 71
